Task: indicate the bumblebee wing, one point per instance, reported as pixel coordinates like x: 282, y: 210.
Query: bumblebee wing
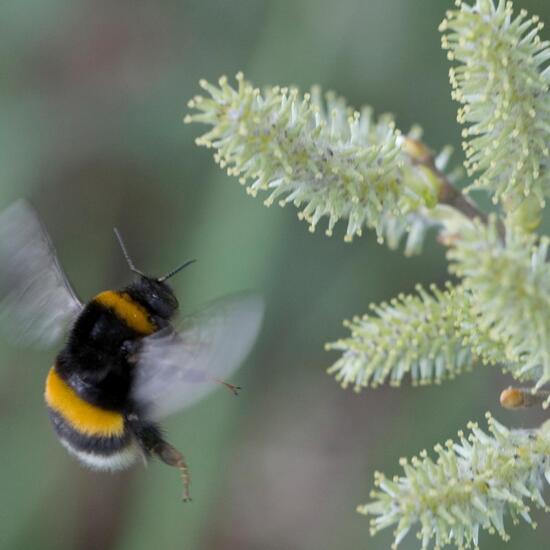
x: 37, y: 303
x: 177, y: 368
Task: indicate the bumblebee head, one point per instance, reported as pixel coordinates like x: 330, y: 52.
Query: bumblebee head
x: 154, y: 293
x: 157, y: 296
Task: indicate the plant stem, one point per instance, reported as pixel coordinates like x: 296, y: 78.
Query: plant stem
x: 449, y: 194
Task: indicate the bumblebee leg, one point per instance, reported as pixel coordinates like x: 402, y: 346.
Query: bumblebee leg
x: 234, y: 389
x: 129, y: 351
x: 152, y: 443
x: 196, y: 375
x: 171, y: 456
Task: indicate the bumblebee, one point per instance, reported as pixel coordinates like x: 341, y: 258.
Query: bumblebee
x: 124, y: 365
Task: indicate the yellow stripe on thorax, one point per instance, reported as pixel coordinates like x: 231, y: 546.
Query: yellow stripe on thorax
x: 126, y: 309
x: 81, y: 415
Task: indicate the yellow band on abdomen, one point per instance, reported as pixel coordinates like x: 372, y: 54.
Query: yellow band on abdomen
x: 126, y: 309
x: 81, y: 415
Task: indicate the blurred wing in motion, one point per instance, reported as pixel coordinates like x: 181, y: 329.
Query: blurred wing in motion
x: 176, y: 369
x: 37, y: 303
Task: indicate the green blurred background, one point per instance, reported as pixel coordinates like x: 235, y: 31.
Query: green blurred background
x: 92, y: 94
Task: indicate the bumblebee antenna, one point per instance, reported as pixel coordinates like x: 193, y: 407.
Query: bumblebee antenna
x: 177, y: 270
x: 131, y: 265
